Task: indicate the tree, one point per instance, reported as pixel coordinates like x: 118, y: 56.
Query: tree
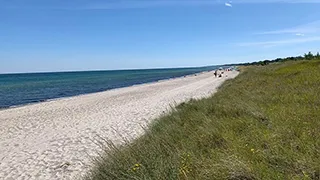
x: 308, y: 56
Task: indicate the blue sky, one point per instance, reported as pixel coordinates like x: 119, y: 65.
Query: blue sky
x: 59, y: 35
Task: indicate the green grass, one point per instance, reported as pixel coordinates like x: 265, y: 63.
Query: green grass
x: 264, y: 124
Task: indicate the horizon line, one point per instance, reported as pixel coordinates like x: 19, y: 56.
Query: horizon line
x: 124, y: 69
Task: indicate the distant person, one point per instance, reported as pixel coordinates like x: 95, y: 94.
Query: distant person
x: 215, y: 73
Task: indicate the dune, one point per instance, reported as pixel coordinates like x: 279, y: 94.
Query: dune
x: 57, y: 139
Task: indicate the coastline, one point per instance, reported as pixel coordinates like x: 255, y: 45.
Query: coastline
x: 54, y: 139
x: 133, y: 85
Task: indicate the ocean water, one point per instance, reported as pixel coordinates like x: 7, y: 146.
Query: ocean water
x: 21, y: 89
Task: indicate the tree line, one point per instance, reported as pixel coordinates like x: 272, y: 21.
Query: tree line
x: 306, y: 56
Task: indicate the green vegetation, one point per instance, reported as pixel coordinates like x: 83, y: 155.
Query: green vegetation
x: 264, y: 124
x: 307, y: 56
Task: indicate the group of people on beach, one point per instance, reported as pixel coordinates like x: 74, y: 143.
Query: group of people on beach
x: 219, y: 72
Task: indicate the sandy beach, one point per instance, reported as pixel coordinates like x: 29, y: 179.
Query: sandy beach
x: 55, y: 139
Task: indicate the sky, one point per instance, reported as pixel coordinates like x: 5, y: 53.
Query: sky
x: 77, y: 35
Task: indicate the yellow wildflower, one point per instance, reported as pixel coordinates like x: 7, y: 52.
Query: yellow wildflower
x: 305, y: 174
x: 136, y: 167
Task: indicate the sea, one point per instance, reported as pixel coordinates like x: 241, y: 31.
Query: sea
x: 27, y: 88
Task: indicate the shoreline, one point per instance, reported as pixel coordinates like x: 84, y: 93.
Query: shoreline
x: 57, y: 139
x: 133, y: 85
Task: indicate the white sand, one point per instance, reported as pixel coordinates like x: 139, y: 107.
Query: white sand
x: 53, y: 140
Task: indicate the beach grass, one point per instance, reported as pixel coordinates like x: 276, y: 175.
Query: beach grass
x: 264, y: 124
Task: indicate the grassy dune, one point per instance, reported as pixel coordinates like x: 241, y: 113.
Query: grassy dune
x: 265, y: 124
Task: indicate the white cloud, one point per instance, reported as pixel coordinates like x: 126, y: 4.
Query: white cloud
x: 301, y: 30
x: 228, y: 4
x: 280, y: 42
